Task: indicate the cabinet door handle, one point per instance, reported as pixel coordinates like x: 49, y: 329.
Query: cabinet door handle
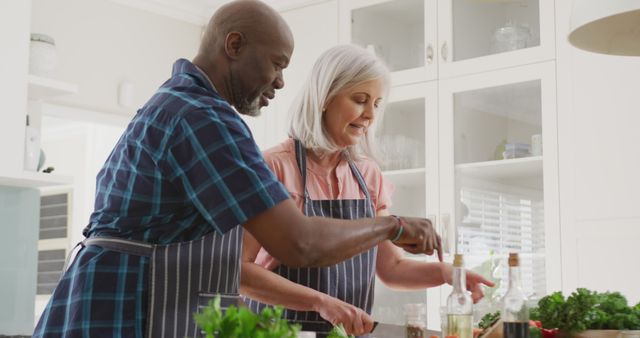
x: 429, y: 54
x: 444, y: 51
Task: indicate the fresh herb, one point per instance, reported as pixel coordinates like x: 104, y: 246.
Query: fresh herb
x: 338, y: 331
x: 488, y: 320
x: 242, y: 323
x: 585, y: 310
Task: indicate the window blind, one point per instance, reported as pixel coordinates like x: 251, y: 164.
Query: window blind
x: 495, y: 223
x: 53, y: 243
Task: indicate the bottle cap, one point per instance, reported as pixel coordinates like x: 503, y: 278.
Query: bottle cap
x: 458, y: 261
x: 513, y: 259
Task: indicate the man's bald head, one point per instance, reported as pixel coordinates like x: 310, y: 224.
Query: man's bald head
x: 258, y: 22
x: 244, y: 50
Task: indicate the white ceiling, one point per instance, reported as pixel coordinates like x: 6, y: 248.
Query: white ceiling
x: 198, y: 11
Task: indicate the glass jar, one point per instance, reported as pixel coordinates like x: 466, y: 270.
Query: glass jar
x: 416, y: 320
x: 42, y: 55
x: 510, y: 37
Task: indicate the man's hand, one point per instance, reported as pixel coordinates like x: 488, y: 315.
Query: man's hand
x: 419, y: 236
x: 474, y: 282
x: 355, y: 320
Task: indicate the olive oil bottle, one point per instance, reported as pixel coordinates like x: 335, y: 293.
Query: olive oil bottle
x: 459, y: 303
x: 515, y: 312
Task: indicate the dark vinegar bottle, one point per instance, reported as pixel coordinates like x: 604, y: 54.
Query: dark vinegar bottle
x: 515, y: 312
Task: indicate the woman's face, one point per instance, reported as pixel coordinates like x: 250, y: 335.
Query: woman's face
x: 350, y: 113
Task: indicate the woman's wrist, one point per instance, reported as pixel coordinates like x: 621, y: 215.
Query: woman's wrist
x: 319, y: 301
x: 446, y: 271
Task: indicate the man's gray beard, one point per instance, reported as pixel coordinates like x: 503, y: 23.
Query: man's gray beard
x: 245, y: 107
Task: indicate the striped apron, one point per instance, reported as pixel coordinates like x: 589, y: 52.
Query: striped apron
x: 183, y: 277
x: 351, y: 281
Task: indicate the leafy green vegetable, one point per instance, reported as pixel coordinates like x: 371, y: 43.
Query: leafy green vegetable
x: 338, y: 331
x: 550, y: 310
x: 534, y: 332
x: 488, y: 319
x: 242, y: 323
x: 585, y: 309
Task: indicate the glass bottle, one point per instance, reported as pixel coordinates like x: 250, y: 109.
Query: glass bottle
x: 459, y: 303
x: 515, y: 313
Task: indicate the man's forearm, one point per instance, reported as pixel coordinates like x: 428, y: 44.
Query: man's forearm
x: 297, y: 240
x: 336, y: 240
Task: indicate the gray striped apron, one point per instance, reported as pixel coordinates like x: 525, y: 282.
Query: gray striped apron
x: 351, y: 281
x: 183, y: 277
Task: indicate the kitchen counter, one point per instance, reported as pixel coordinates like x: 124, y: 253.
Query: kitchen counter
x: 382, y: 330
x: 395, y: 331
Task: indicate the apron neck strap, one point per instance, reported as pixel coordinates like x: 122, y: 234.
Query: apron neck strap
x: 301, y: 159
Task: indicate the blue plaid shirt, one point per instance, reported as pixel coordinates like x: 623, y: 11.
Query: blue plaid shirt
x: 186, y: 165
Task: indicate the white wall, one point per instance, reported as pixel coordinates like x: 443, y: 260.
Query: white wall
x: 599, y: 123
x: 100, y: 43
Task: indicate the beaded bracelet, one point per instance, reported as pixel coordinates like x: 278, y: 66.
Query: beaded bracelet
x: 401, y: 230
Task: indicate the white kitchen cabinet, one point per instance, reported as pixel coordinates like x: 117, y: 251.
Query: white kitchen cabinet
x: 492, y: 64
x: 408, y: 138
x: 477, y: 36
x: 423, y: 40
x: 501, y: 205
x: 401, y: 32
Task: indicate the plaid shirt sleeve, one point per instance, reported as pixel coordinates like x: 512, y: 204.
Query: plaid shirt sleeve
x: 215, y: 161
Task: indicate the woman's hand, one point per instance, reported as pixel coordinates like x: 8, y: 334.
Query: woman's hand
x: 355, y: 320
x: 474, y: 281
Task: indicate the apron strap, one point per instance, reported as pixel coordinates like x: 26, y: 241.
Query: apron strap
x: 127, y: 246
x: 301, y: 159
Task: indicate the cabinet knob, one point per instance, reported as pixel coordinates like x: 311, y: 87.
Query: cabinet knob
x: 444, y: 51
x: 429, y: 54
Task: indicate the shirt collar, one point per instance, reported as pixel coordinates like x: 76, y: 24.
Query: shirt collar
x: 187, y: 67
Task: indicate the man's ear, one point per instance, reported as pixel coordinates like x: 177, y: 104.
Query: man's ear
x: 234, y: 44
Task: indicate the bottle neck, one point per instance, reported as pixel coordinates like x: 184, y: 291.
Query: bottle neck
x: 514, y: 277
x: 459, y: 279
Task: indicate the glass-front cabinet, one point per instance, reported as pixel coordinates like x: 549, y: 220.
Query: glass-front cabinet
x: 503, y: 182
x: 401, y: 32
x: 481, y: 35
x: 472, y: 158
x: 422, y: 40
x: 408, y: 140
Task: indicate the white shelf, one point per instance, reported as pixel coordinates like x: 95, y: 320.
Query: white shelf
x: 406, y: 177
x: 514, y: 170
x: 28, y: 179
x: 42, y: 88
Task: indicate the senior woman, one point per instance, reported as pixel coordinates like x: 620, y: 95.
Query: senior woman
x: 328, y: 168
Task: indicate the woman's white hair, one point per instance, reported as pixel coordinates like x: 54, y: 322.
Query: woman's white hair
x: 337, y: 69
